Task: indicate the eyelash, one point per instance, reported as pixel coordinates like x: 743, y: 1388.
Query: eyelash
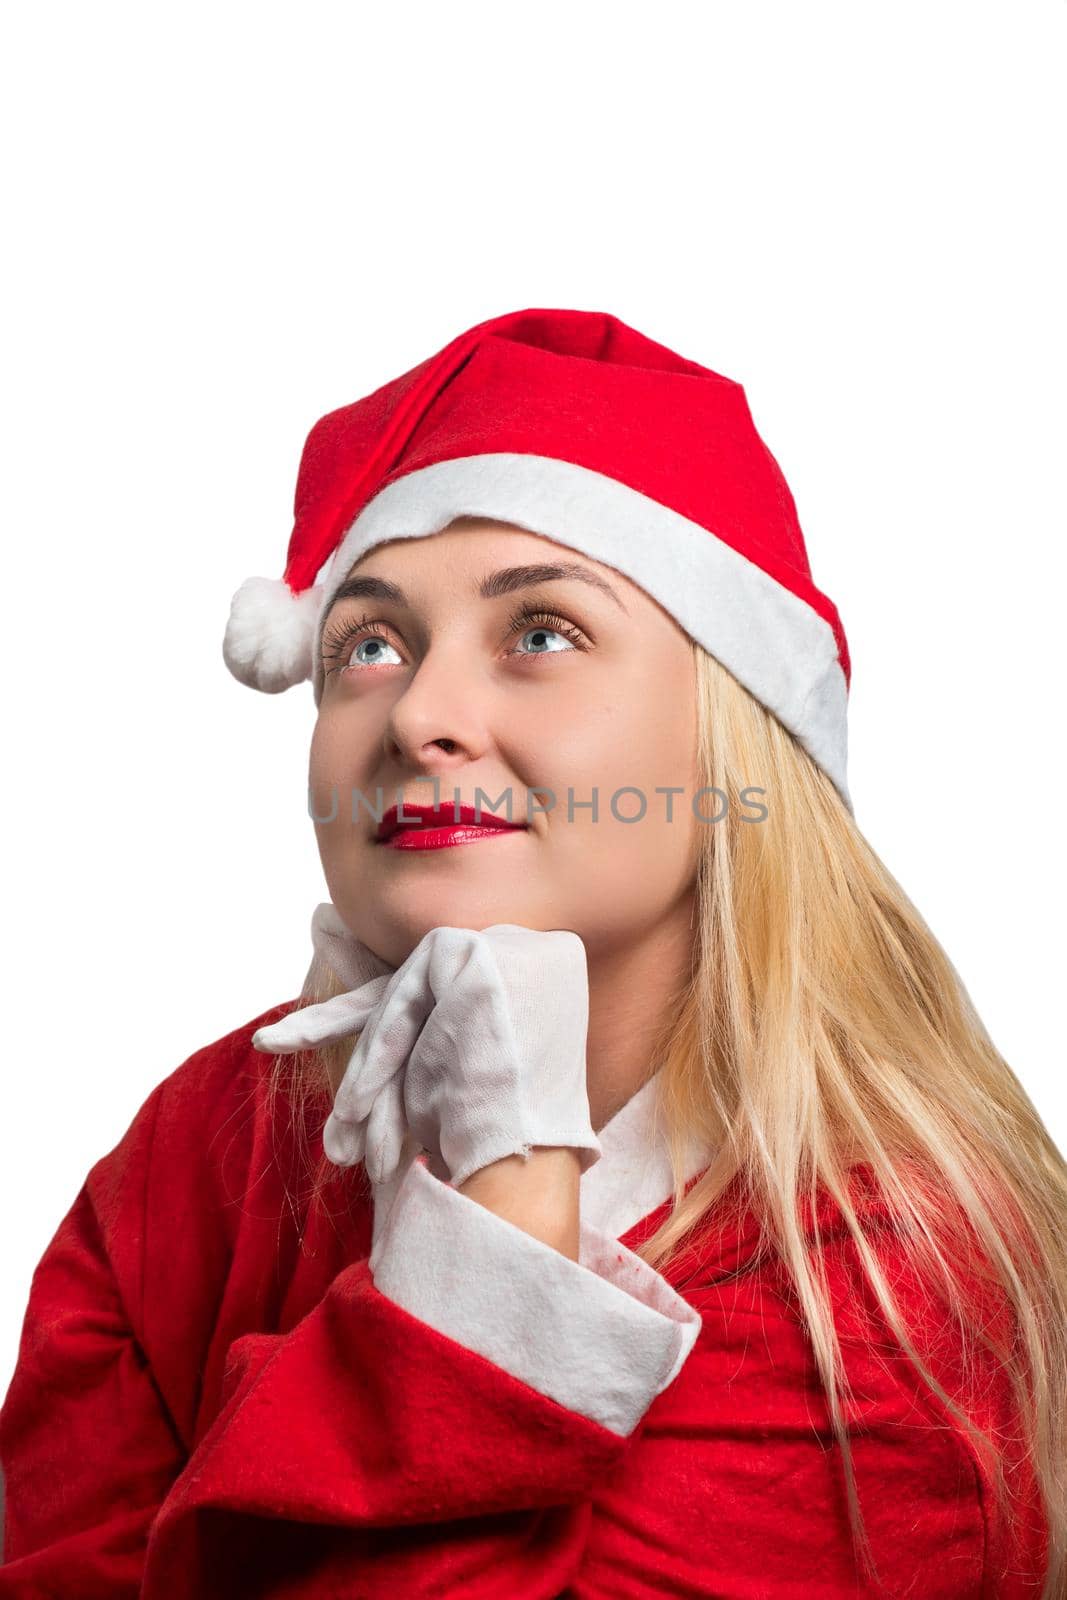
x: 335, y: 641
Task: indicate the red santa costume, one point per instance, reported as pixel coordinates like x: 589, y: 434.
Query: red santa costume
x: 223, y: 1391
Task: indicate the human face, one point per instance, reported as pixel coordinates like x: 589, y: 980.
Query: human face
x: 588, y: 693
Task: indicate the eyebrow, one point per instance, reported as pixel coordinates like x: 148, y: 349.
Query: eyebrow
x: 505, y: 581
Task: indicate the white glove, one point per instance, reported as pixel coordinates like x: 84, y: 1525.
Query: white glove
x: 477, y: 1042
x: 492, y: 1027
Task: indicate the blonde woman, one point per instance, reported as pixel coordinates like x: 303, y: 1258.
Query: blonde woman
x: 631, y: 1203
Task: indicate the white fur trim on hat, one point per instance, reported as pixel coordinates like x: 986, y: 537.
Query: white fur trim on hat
x: 270, y: 634
x: 773, y: 642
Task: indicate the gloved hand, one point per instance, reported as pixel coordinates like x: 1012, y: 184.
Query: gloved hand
x: 476, y: 1042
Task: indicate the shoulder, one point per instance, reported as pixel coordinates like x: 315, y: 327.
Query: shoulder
x: 161, y: 1209
x: 211, y: 1088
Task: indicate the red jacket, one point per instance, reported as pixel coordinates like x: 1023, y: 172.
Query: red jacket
x: 220, y: 1393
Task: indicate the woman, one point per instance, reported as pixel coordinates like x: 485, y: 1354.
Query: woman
x: 677, y: 1229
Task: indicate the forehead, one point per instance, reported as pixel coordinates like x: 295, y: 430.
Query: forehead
x: 496, y: 558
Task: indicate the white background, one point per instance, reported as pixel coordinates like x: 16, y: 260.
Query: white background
x: 226, y: 220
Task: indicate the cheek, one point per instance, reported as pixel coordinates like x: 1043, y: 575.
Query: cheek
x: 639, y: 732
x: 628, y: 745
x: 339, y: 757
x: 340, y: 750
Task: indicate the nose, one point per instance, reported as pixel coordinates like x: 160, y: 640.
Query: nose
x: 440, y: 717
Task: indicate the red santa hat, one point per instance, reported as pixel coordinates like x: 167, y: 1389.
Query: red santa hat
x: 572, y: 425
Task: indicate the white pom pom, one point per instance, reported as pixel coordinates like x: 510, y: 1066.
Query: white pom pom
x: 270, y: 636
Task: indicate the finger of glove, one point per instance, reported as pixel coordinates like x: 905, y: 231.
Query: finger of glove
x: 464, y: 1073
x: 310, y: 1026
x: 448, y: 952
x: 387, y: 1038
x: 344, y: 1142
x: 386, y: 1130
x: 542, y: 982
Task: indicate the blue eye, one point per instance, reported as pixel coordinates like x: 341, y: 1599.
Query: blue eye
x: 363, y: 630
x: 543, y: 644
x: 377, y: 646
x: 546, y: 628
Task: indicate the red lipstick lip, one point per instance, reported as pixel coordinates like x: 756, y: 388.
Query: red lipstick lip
x: 445, y: 816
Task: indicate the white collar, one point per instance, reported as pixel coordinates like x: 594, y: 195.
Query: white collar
x: 633, y: 1175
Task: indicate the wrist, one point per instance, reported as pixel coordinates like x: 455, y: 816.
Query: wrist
x: 538, y: 1194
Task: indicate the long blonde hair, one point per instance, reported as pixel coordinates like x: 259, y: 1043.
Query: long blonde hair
x: 825, y: 1027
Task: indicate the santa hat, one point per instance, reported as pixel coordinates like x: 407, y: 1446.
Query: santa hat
x: 572, y: 425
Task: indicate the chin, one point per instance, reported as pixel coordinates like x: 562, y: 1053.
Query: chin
x: 396, y: 935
